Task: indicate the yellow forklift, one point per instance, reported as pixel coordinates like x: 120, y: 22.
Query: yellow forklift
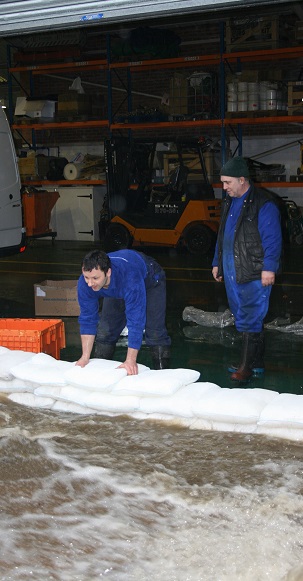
x: 158, y: 194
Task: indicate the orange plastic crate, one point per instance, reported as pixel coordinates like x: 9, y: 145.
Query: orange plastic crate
x: 35, y: 335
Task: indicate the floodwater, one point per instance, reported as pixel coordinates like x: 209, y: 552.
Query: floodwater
x: 90, y: 497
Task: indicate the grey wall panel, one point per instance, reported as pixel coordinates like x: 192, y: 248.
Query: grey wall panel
x: 26, y: 16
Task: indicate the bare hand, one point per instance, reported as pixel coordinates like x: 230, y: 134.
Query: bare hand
x: 215, y: 274
x: 82, y: 362
x: 131, y: 367
x: 267, y: 278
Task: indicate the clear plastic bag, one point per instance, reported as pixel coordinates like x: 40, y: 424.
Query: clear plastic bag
x: 285, y: 326
x: 208, y: 319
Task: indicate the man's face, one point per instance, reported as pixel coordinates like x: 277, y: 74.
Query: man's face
x: 96, y: 278
x: 234, y: 187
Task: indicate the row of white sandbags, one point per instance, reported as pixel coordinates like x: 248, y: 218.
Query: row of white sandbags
x: 38, y: 380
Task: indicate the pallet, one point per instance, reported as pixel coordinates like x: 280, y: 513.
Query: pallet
x: 252, y: 34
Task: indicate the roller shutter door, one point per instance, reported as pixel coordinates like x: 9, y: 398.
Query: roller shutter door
x: 27, y: 16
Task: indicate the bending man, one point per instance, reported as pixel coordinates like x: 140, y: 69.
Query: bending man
x: 133, y: 288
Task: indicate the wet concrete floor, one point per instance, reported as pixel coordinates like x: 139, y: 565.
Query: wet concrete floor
x: 189, y: 283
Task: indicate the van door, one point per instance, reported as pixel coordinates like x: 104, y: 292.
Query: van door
x: 12, y: 233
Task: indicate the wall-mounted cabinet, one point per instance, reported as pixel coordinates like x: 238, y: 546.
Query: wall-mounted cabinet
x: 76, y: 214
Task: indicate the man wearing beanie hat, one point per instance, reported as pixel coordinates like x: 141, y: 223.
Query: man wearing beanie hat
x: 247, y: 258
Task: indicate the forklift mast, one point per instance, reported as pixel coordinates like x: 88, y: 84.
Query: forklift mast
x: 131, y: 173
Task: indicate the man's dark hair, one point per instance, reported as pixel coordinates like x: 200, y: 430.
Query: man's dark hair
x: 96, y: 259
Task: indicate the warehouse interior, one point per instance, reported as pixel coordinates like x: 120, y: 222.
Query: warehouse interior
x: 228, y: 75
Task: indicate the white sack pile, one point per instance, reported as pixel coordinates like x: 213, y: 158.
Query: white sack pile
x: 39, y: 380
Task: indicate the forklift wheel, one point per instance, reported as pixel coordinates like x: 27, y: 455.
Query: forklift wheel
x: 199, y: 239
x: 117, y: 237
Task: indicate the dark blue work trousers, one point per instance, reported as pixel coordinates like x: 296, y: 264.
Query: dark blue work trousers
x: 112, y: 318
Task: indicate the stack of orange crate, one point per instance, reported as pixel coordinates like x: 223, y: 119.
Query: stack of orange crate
x: 33, y: 335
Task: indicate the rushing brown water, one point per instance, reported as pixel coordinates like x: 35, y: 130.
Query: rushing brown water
x: 89, y: 497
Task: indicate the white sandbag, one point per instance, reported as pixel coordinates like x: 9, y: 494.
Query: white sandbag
x: 93, y: 378
x: 53, y: 391
x: 99, y: 400
x: 112, y: 403
x: 233, y: 406
x: 15, y: 385
x: 9, y: 359
x: 4, y: 350
x: 65, y: 406
x: 111, y: 364
x: 31, y: 400
x: 182, y: 403
x: 103, y: 363
x: 68, y: 393
x: 283, y: 417
x: 42, y: 374
x: 44, y: 359
x: 156, y: 382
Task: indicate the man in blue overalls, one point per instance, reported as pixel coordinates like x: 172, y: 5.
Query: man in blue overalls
x: 247, y: 258
x: 133, y: 288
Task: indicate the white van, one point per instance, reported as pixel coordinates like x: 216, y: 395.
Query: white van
x: 12, y: 233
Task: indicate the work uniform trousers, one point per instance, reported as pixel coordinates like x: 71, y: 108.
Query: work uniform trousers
x: 112, y: 318
x: 249, y: 301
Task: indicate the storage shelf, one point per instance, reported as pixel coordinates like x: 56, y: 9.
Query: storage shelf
x: 212, y: 59
x: 41, y: 183
x: 263, y: 120
x: 60, y: 124
x: 166, y: 124
x: 189, y: 61
x: 270, y: 185
x: 216, y: 60
x: 161, y: 124
x: 67, y: 183
x: 54, y: 68
x: 211, y: 122
x: 185, y: 62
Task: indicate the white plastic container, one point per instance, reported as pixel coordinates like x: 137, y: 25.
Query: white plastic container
x: 271, y: 104
x: 242, y: 105
x: 253, y: 98
x: 232, y: 97
x: 242, y: 86
x: 232, y: 106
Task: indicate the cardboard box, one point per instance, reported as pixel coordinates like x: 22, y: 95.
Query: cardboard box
x: 73, y: 103
x: 57, y: 297
x: 35, y: 109
x: 295, y: 97
x: 178, y: 95
x: 27, y: 166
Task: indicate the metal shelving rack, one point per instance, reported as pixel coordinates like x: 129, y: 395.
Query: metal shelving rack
x: 219, y: 60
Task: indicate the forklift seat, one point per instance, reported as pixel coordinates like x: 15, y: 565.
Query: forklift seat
x: 174, y: 189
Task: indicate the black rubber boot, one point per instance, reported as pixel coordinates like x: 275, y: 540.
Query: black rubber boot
x: 250, y: 346
x: 104, y: 350
x: 160, y: 356
x: 258, y: 364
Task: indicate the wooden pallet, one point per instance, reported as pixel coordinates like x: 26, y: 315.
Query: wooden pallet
x: 252, y: 34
